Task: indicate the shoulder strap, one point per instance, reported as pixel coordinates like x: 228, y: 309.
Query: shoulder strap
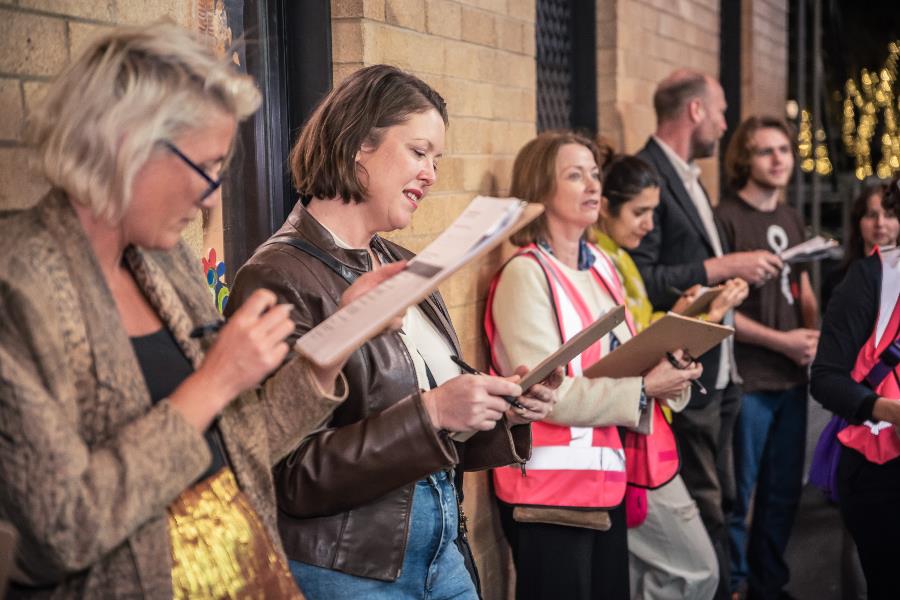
x: 343, y: 271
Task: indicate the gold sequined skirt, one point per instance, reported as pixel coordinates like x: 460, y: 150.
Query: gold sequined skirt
x: 220, y: 548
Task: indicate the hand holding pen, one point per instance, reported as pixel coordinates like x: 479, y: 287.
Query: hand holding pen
x: 469, y: 403
x: 670, y: 378
x: 673, y: 360
x: 536, y: 402
x: 247, y: 349
x: 472, y: 371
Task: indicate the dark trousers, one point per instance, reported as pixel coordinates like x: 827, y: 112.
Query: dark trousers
x: 704, y: 435
x: 555, y: 561
x: 870, y: 506
x: 768, y: 456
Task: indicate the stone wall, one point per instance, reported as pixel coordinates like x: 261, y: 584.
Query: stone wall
x: 639, y: 42
x: 764, y: 68
x: 37, y: 39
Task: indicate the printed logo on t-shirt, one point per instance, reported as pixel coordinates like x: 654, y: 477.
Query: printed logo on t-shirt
x: 778, y: 243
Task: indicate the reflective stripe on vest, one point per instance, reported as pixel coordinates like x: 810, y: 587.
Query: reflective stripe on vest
x: 652, y: 460
x: 877, y: 441
x: 570, y: 466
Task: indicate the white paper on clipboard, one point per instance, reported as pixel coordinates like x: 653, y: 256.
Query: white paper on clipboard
x: 483, y: 225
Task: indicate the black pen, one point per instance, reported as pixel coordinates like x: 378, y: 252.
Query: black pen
x: 466, y: 368
x: 674, y: 362
x: 676, y: 291
x: 201, y: 331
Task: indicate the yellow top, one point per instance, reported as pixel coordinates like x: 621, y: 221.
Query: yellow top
x: 636, y: 299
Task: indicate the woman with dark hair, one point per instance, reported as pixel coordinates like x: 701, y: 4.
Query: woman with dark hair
x: 671, y: 555
x: 871, y: 225
x: 368, y: 505
x: 565, y: 519
x: 856, y: 374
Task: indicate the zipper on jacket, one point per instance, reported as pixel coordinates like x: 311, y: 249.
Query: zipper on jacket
x: 512, y: 448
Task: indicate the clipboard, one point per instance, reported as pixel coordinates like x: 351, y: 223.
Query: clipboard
x: 672, y: 332
x: 575, y: 346
x: 565, y: 353
x: 702, y: 302
x: 367, y: 316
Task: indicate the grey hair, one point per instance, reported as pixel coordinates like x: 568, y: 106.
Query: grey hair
x: 132, y: 88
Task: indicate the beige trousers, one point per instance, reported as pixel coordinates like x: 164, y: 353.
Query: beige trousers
x: 670, y: 554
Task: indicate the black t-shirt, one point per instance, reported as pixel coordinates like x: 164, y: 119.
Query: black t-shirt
x: 164, y: 367
x: 775, y: 304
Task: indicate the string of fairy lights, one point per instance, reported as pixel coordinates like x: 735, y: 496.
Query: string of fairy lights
x: 871, y: 101
x: 811, y: 147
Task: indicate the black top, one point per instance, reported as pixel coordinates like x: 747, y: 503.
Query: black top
x: 164, y: 367
x: 774, y: 304
x: 848, y: 324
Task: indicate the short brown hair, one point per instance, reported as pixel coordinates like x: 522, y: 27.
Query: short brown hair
x: 534, y: 176
x: 356, y: 112
x: 739, y: 152
x: 671, y: 97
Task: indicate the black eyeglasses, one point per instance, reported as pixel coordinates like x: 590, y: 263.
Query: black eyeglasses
x: 213, y: 184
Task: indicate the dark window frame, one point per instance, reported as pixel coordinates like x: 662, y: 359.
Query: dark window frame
x: 579, y: 85
x: 287, y: 49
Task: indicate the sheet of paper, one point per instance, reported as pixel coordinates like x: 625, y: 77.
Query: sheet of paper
x: 483, y: 225
x: 816, y: 248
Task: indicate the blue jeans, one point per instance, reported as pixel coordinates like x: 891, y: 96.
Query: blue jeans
x: 769, y: 441
x: 433, y: 568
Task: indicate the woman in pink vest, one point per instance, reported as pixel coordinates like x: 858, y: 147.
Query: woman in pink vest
x: 562, y: 512
x: 856, y: 375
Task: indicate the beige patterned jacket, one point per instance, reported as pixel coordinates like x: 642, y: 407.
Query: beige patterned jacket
x: 87, y: 465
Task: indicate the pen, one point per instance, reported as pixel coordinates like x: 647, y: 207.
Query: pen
x: 201, y: 331
x: 674, y: 362
x: 466, y: 368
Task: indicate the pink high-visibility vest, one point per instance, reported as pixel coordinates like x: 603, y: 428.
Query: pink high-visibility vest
x: 878, y: 442
x: 584, y: 467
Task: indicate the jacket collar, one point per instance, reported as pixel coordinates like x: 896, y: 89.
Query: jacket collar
x: 115, y: 363
x: 672, y: 180
x: 301, y: 223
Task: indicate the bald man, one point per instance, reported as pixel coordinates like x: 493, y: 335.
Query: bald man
x: 686, y: 248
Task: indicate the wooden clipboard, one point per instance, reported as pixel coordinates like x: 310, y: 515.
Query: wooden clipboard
x: 672, y: 332
x: 575, y: 346
x: 702, y: 302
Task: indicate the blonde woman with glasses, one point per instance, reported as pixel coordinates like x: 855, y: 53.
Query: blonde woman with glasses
x: 134, y: 458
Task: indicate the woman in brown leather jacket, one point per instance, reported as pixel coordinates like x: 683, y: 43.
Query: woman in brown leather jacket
x: 368, y: 504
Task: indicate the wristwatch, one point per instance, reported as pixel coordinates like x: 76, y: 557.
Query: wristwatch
x: 642, y: 402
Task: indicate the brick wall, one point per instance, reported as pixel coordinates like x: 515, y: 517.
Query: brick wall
x: 37, y: 39
x: 764, y: 45
x: 639, y: 42
x: 480, y: 57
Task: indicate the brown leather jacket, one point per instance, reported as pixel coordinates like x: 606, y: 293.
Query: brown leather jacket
x: 344, y: 495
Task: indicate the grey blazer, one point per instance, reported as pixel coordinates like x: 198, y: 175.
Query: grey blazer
x: 87, y: 464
